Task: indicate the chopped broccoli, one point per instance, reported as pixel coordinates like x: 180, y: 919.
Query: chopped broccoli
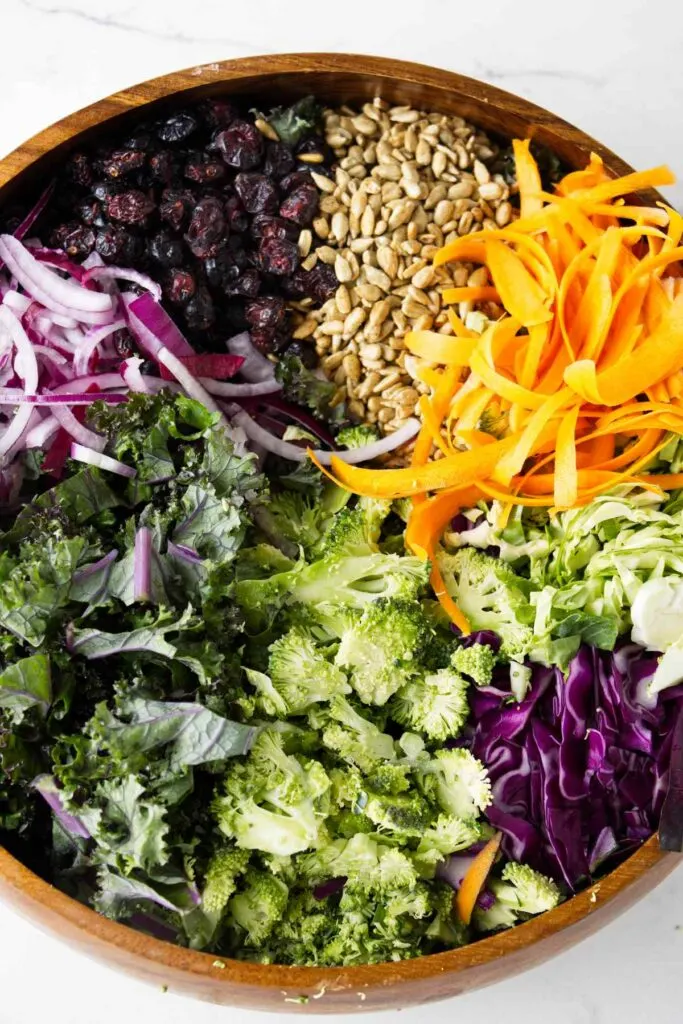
x: 490, y: 596
x: 220, y: 880
x: 357, y: 436
x: 354, y: 738
x: 272, y: 799
x: 356, y: 531
x: 519, y: 893
x: 364, y: 861
x: 301, y: 673
x: 456, y: 781
x: 294, y: 518
x: 381, y: 650
x: 477, y: 662
x: 403, y: 815
x: 449, y: 834
x: 258, y: 908
x: 434, y: 705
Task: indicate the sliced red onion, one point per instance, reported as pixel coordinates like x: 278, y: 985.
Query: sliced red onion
x: 33, y: 214
x: 190, y: 383
x: 18, y: 303
x: 14, y: 396
x: 264, y: 387
x: 388, y: 443
x: 130, y: 371
x: 255, y: 367
x: 300, y: 416
x: 142, y: 565
x: 79, y: 432
x: 93, y: 260
x: 54, y: 292
x: 43, y: 352
x: 122, y: 274
x: 25, y: 362
x: 153, y: 328
x: 40, y: 435
x: 101, y: 381
x: 60, y: 261
x: 255, y: 432
x: 90, y: 343
x: 81, y: 453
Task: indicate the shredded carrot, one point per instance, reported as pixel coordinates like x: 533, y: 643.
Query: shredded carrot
x: 474, y: 881
x: 576, y: 387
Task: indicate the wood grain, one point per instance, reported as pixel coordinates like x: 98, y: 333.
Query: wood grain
x: 335, y: 78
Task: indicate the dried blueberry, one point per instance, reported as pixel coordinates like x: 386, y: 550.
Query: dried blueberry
x: 79, y: 169
x: 123, y: 343
x: 205, y: 172
x: 279, y: 160
x: 199, y: 311
x: 177, y: 127
x: 123, y: 161
x: 258, y: 193
x: 235, y: 215
x: 165, y: 249
x: 104, y: 190
x: 220, y: 268
x: 278, y: 256
x: 240, y: 145
x: 79, y: 242
x: 176, y: 206
x: 301, y: 205
x: 140, y: 139
x: 207, y: 228
x: 130, y: 207
x: 180, y: 286
x: 116, y: 245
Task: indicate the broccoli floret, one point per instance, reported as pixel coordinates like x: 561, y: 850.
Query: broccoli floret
x: 403, y: 815
x: 307, y: 926
x: 477, y: 662
x: 346, y: 786
x: 292, y: 517
x: 357, y: 436
x: 381, y: 650
x: 445, y: 928
x: 356, y: 531
x: 220, y: 880
x: 490, y: 596
x: 520, y: 893
x: 272, y: 799
x: 364, y: 861
x: 301, y: 673
x: 456, y: 781
x: 368, y: 931
x: 260, y: 905
x: 449, y: 834
x: 435, y: 705
x: 354, y: 738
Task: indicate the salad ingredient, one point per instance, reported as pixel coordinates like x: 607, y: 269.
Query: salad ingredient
x: 475, y: 879
x: 424, y: 183
x: 520, y: 892
x: 581, y: 760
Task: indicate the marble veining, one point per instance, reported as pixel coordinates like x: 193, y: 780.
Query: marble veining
x: 613, y: 67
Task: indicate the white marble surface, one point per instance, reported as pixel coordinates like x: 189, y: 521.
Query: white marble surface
x: 614, y: 68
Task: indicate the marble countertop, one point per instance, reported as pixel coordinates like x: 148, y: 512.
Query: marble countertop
x: 612, y: 68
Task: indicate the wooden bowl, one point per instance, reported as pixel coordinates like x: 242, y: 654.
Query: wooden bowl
x: 336, y: 78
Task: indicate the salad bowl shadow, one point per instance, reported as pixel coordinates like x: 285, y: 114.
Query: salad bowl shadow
x: 335, y: 78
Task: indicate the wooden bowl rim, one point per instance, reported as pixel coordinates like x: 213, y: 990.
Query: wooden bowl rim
x: 33, y: 891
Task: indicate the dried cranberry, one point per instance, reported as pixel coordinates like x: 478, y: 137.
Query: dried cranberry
x: 175, y: 207
x: 247, y: 284
x: 59, y: 234
x: 130, y: 207
x: 318, y: 284
x: 79, y: 242
x: 278, y: 256
x: 279, y: 160
x: 205, y: 172
x: 235, y: 215
x: 220, y: 268
x: 163, y: 167
x: 258, y: 193
x: 112, y: 244
x: 180, y: 286
x: 199, y: 311
x: 89, y: 210
x: 123, y: 343
x: 266, y: 226
x: 177, y: 127
x: 104, y: 190
x: 79, y: 169
x: 301, y: 205
x: 241, y: 145
x: 123, y: 161
x: 294, y: 180
x: 165, y: 249
x: 237, y: 252
x: 268, y: 314
x: 207, y: 228
x: 218, y: 113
